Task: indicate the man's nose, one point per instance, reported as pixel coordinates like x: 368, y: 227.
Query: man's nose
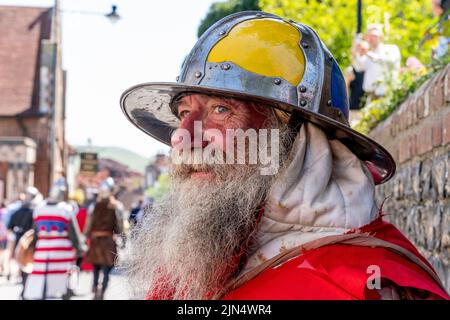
x: 190, y: 133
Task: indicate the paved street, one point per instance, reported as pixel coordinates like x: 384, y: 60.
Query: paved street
x: 116, y: 289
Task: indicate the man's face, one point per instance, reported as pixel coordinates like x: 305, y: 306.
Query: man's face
x: 373, y: 40
x: 436, y: 8
x: 22, y: 196
x: 220, y: 114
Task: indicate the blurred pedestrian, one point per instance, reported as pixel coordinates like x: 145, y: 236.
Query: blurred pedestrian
x: 77, y: 201
x: 13, y: 207
x: 3, y: 236
x: 379, y: 61
x: 91, y: 200
x: 354, y: 80
x: 134, y: 212
x: 145, y: 209
x: 22, y: 221
x: 440, y: 7
x: 58, y: 241
x: 103, y: 224
x: 8, y: 258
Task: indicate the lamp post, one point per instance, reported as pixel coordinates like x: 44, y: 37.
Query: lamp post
x: 358, y: 16
x: 113, y: 17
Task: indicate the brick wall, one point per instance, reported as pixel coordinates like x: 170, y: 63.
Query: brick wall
x: 37, y: 128
x: 32, y: 80
x: 418, y: 197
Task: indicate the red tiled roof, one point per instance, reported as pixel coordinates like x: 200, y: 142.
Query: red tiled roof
x: 22, y: 29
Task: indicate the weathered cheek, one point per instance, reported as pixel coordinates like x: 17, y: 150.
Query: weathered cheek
x: 243, y: 121
x: 250, y: 117
x: 239, y: 121
x: 229, y: 143
x: 258, y: 120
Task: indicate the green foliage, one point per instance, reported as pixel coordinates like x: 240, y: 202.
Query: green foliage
x: 218, y: 10
x: 379, y: 109
x: 438, y: 29
x: 160, y: 187
x: 335, y: 21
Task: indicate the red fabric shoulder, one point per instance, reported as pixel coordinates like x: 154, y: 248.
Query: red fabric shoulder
x: 335, y: 272
x: 294, y: 280
x: 341, y: 272
x: 388, y: 232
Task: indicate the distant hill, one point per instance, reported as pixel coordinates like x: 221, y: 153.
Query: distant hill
x: 129, y: 158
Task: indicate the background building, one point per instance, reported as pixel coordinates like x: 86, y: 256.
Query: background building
x: 128, y: 186
x: 32, y: 104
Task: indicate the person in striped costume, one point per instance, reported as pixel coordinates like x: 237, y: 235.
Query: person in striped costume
x: 58, y: 240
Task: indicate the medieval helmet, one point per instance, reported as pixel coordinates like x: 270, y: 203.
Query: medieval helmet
x: 261, y: 57
x: 106, y: 188
x: 58, y: 190
x: 32, y: 196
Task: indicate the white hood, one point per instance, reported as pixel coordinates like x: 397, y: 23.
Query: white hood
x: 324, y: 190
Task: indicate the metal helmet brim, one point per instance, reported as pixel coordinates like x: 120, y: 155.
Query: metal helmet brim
x: 149, y: 106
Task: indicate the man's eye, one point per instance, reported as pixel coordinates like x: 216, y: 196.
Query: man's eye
x: 183, y: 114
x: 220, y: 109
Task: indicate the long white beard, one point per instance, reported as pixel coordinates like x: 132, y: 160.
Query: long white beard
x: 189, y: 244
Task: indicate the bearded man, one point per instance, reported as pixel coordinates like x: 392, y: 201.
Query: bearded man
x: 310, y: 228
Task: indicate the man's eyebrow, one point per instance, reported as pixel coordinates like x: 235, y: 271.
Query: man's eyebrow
x: 230, y: 101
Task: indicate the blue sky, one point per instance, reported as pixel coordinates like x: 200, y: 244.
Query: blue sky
x: 103, y: 59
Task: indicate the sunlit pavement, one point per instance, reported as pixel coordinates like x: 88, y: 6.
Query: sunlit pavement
x: 10, y: 290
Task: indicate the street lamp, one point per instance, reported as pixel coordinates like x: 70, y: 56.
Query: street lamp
x: 113, y: 16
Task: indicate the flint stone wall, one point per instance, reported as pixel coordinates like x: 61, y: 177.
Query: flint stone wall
x: 417, y: 198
